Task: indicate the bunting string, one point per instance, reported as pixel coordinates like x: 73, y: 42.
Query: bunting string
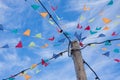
x: 43, y: 63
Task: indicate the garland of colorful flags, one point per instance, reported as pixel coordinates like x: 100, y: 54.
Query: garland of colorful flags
x: 44, y: 62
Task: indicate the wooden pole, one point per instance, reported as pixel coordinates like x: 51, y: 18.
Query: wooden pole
x: 78, y: 61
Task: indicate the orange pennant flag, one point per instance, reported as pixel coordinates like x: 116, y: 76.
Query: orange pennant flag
x: 104, y: 49
x: 86, y: 8
x: 33, y: 66
x: 27, y: 32
x: 106, y: 28
x: 27, y: 77
x: 44, y: 46
x: 43, y: 14
x: 106, y: 20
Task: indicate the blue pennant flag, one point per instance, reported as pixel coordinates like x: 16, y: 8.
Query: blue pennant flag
x: 55, y: 56
x: 101, y: 35
x: 107, y: 54
x: 5, y: 46
x: 83, y: 38
x: 78, y: 36
x: 1, y: 27
x: 62, y: 40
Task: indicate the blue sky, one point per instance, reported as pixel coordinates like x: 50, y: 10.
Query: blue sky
x: 19, y: 15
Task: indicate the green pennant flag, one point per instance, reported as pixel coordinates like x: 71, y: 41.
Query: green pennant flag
x: 116, y: 50
x: 98, y: 28
x: 15, y: 31
x: 35, y: 7
x: 93, y: 32
x: 107, y: 43
x: 32, y: 44
x: 39, y: 35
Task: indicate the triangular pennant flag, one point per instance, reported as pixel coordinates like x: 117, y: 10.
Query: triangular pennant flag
x: 52, y: 38
x: 59, y: 31
x: 35, y: 7
x: 1, y: 27
x: 107, y: 54
x: 27, y: 77
x: 79, y: 26
x: 110, y: 3
x: 98, y: 28
x: 44, y: 63
x: 33, y: 66
x: 11, y: 79
x: 39, y: 35
x: 117, y: 60
x: 58, y: 17
x: 106, y: 28
x: 32, y: 44
x: 44, y: 46
x: 116, y: 50
x: 54, y: 8
x: 5, y: 46
x: 78, y: 36
x: 82, y: 18
x: 62, y: 40
x: 114, y: 34
x: 83, y: 38
x: 107, y: 43
x: 27, y: 32
x: 93, y: 32
x: 15, y: 31
x: 51, y: 22
x: 81, y: 44
x: 19, y: 45
x: 91, y: 20
x: 101, y: 35
x: 86, y: 8
x: 104, y: 49
x: 58, y: 44
x: 106, y: 20
x: 92, y: 45
x: 37, y: 71
x: 55, y: 56
x: 87, y: 28
x: 43, y: 14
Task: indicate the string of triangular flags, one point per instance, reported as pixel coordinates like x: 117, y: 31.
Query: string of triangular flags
x: 43, y: 62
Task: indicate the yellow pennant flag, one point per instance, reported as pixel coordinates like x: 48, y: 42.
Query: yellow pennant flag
x: 39, y: 35
x: 44, y: 46
x: 43, y: 14
x: 86, y: 8
x: 106, y: 20
x: 27, y: 77
x: 32, y: 44
x: 106, y: 28
x: 33, y: 66
x: 27, y: 32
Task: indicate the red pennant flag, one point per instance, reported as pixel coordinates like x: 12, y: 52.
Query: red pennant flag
x: 81, y: 44
x: 87, y: 28
x: 79, y: 26
x: 59, y: 31
x: 114, y: 34
x: 19, y: 45
x: 44, y: 63
x: 54, y: 8
x: 51, y: 39
x: 117, y: 60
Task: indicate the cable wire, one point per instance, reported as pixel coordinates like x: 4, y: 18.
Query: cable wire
x: 99, y: 42
x: 96, y: 78
x: 54, y: 20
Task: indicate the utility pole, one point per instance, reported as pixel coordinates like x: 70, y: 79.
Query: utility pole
x: 78, y: 61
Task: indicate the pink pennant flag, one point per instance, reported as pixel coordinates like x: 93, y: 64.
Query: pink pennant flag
x: 59, y: 31
x: 19, y: 45
x: 44, y: 63
x: 52, y: 38
x: 54, y: 8
x: 117, y: 60
x: 87, y: 28
x: 79, y: 26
